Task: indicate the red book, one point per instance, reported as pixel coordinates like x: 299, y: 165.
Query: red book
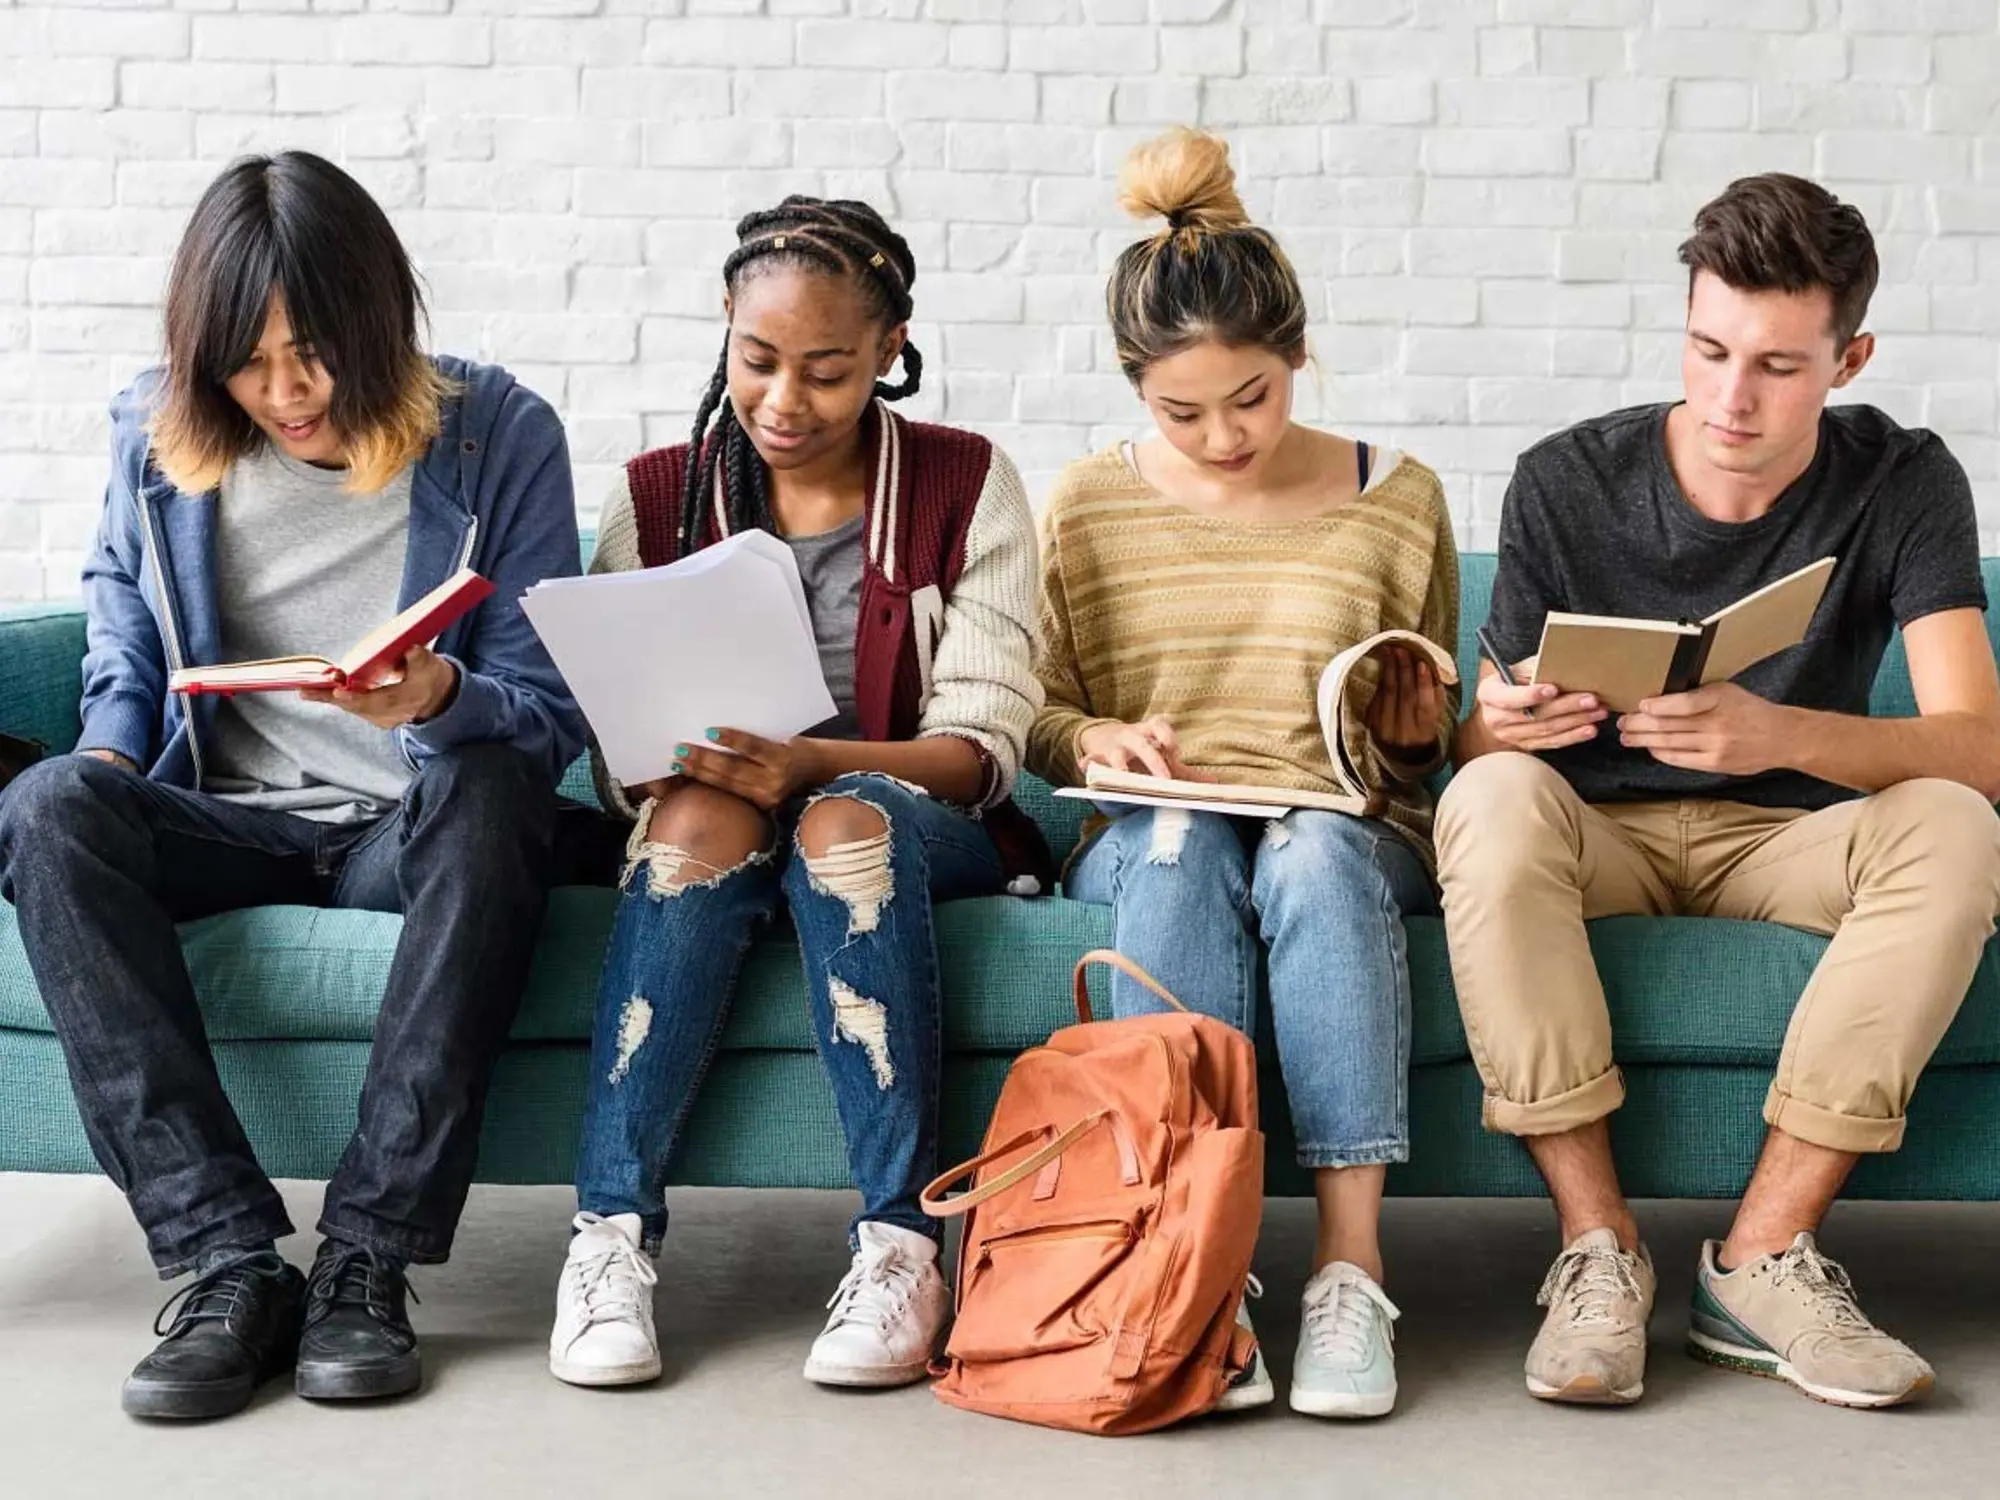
x: 375, y: 657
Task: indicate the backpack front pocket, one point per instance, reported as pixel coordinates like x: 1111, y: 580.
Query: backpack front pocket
x: 1041, y: 1289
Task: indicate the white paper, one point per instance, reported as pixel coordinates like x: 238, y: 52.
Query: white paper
x: 658, y: 656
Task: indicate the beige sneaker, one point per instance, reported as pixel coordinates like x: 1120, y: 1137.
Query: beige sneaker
x: 1793, y: 1317
x: 1592, y: 1347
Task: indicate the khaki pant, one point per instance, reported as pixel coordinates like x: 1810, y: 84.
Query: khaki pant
x: 1906, y: 882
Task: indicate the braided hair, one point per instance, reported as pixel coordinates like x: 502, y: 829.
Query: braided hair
x: 838, y: 237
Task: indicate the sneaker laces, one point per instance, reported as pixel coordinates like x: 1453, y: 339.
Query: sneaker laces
x: 355, y: 1276
x: 1338, y: 1325
x: 876, y: 1290
x: 1826, y: 1284
x: 614, y: 1281
x: 1589, y: 1279
x: 214, y: 1296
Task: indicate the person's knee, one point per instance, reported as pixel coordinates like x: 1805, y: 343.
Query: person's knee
x: 1944, y: 827
x: 52, y: 796
x: 1497, y: 806
x: 840, y: 818
x: 694, y: 836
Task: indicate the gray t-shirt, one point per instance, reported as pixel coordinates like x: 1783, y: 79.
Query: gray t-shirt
x: 830, y: 567
x: 303, y: 567
x: 1595, y: 522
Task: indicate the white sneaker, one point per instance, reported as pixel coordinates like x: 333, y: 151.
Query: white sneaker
x: 1252, y: 1385
x: 604, y: 1307
x: 888, y: 1312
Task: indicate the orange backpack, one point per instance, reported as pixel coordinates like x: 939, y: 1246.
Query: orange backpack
x: 1099, y: 1276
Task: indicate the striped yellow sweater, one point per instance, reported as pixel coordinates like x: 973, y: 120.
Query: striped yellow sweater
x: 1223, y: 626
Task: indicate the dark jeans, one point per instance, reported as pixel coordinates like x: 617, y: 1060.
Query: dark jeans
x: 101, y: 863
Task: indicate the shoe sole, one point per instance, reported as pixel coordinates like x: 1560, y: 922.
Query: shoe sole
x: 1342, y: 1404
x: 1586, y: 1390
x: 1727, y: 1356
x: 360, y: 1382
x: 605, y: 1375
x: 866, y: 1377
x: 160, y: 1401
x: 1247, y: 1397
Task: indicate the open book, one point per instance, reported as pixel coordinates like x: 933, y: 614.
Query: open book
x: 1102, y: 784
x: 1626, y: 661
x: 376, y: 655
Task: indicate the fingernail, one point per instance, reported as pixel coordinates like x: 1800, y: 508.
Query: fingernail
x: 715, y: 734
x: 680, y: 752
x: 1589, y: 702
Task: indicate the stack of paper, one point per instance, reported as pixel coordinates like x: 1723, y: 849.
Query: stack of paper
x: 657, y: 657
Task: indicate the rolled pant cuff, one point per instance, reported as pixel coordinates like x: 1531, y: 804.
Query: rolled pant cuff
x: 1817, y: 1125
x: 1382, y: 1154
x: 1585, y: 1104
x: 420, y: 1250
x: 247, y: 1233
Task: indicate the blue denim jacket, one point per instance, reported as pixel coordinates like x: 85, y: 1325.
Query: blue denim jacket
x: 493, y: 493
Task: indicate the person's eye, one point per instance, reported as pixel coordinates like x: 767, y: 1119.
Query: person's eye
x: 1714, y: 356
x: 1179, y: 419
x: 827, y: 382
x: 756, y: 369
x: 1253, y: 403
x: 1781, y: 370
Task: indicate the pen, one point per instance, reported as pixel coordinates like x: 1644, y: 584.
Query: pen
x: 1488, y: 650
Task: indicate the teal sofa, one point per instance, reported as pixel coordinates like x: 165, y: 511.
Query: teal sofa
x: 289, y: 995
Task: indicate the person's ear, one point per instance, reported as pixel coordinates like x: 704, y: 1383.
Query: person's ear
x: 1297, y: 357
x: 1854, y: 359
x: 892, y: 348
x: 728, y: 306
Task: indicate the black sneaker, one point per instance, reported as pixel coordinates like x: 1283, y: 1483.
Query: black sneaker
x: 237, y: 1326
x: 358, y: 1342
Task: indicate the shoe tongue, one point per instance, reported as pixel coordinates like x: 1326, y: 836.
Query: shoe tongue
x: 877, y: 1240
x: 623, y: 1226
x: 1597, y: 1239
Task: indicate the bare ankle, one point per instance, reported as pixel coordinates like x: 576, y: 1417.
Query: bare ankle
x: 1619, y: 1223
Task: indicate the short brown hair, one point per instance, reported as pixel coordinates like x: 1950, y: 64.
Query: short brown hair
x: 1209, y: 273
x: 294, y: 223
x: 1779, y: 233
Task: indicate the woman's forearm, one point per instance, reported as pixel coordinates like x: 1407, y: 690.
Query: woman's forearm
x: 947, y: 767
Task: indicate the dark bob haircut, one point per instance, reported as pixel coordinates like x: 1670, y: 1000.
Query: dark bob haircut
x: 294, y: 225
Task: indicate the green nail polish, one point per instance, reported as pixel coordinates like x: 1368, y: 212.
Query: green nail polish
x: 680, y: 752
x: 715, y: 734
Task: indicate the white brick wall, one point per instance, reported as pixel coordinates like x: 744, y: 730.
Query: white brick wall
x: 1485, y: 195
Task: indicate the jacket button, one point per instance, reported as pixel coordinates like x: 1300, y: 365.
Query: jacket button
x: 469, y: 445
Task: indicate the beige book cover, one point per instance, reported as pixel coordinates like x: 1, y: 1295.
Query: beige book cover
x: 1626, y: 661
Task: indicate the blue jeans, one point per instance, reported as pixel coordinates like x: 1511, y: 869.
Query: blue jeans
x: 100, y: 864
x: 871, y: 969
x: 1193, y: 893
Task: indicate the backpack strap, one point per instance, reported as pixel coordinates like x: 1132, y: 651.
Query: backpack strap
x: 1124, y: 966
x: 933, y: 1200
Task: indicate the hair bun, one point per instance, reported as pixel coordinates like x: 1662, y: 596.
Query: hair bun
x: 1185, y: 178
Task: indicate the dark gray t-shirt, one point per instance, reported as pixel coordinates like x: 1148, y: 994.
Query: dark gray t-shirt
x: 1595, y: 522
x: 830, y: 568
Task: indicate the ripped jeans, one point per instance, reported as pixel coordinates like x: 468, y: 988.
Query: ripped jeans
x: 1193, y: 893
x: 871, y: 967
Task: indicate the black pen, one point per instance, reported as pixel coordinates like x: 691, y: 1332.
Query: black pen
x: 1492, y: 654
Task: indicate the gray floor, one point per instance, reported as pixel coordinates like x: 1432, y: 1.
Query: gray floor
x: 740, y: 1298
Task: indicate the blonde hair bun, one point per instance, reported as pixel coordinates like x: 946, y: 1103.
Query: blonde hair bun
x: 1185, y: 178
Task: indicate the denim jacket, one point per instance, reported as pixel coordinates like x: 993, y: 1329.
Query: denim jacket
x: 493, y: 492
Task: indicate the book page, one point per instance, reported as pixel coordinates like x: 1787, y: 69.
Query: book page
x: 1340, y: 719
x: 1766, y: 622
x: 1161, y: 791
x: 1623, y: 662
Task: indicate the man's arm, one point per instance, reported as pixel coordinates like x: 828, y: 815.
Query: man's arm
x: 1955, y: 736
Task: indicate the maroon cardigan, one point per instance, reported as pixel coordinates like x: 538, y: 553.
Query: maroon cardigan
x: 926, y: 484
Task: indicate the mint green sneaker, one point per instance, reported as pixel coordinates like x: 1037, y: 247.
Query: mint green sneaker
x: 1346, y: 1363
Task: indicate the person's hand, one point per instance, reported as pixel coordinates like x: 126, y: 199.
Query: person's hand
x: 1536, y: 717
x: 1721, y: 728
x: 764, y: 773
x: 111, y: 758
x: 1150, y: 746
x: 417, y: 690
x: 1408, y: 706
